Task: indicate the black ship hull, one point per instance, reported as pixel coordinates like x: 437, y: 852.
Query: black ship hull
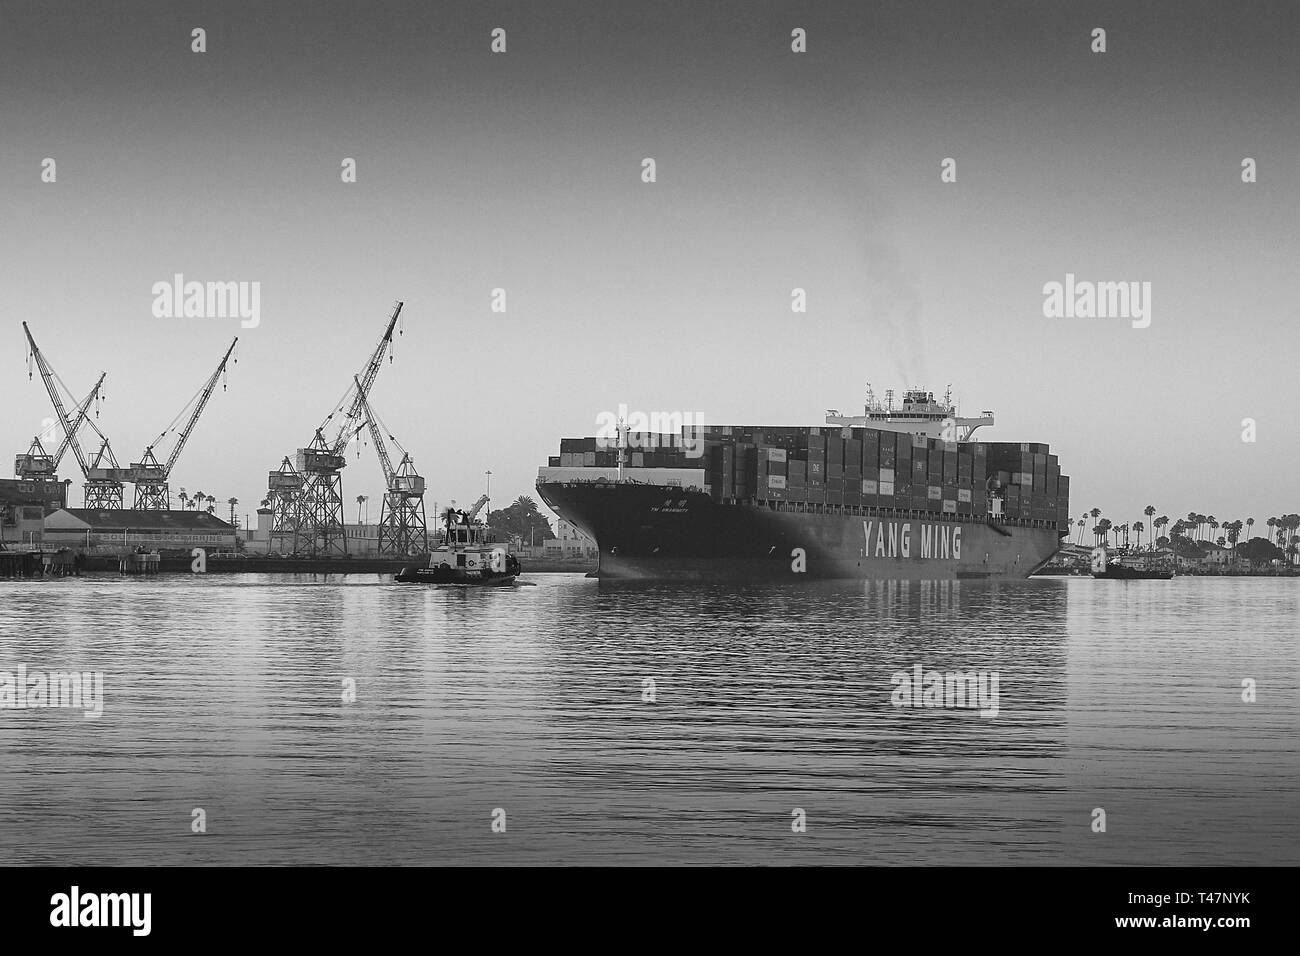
x: 654, y: 532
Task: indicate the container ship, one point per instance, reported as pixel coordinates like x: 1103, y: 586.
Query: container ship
x: 896, y: 493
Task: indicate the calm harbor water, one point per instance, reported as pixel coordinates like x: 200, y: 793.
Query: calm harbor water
x: 225, y: 693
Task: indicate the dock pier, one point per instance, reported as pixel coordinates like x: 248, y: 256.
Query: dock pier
x: 40, y: 564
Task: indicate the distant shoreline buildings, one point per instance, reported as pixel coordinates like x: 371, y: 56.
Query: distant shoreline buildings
x: 1191, y: 545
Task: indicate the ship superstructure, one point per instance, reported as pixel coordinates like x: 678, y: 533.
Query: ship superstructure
x: 918, y: 414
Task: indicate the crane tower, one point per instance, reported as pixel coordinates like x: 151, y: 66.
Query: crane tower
x: 402, y: 527
x: 283, y: 487
x: 104, y: 477
x: 318, y: 522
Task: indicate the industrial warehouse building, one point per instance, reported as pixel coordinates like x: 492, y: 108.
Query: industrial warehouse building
x: 570, y: 542
x: 362, y: 539
x: 165, y: 530
x: 24, y: 503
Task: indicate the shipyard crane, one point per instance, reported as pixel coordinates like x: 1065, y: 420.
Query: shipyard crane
x: 357, y: 394
x: 40, y: 465
x: 318, y: 523
x: 103, y: 488
x: 106, y: 492
x: 151, y: 489
x: 284, y: 487
x: 402, y: 527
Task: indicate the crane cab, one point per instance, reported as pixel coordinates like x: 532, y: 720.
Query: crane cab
x: 36, y: 464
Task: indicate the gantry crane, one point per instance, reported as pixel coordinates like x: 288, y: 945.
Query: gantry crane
x: 40, y: 465
x: 284, y: 487
x: 103, y: 489
x: 402, y: 527
x: 151, y: 490
x: 318, y: 522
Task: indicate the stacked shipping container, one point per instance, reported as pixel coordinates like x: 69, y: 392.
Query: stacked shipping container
x: 856, y: 467
x: 1033, y: 483
x: 648, y: 450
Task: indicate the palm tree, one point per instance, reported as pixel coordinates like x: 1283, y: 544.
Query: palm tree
x: 1161, y: 522
x: 184, y: 499
x: 1293, y: 523
x: 1250, y: 527
x: 1234, y: 535
x: 361, y: 499
x: 1103, y: 530
x: 1150, y: 511
x: 211, y: 503
x: 1193, y: 520
x: 232, y: 502
x: 1080, y: 531
x: 1138, y: 528
x: 1213, y: 523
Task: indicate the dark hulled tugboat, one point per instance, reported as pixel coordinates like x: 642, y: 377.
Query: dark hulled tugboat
x: 465, y: 557
x: 1103, y: 566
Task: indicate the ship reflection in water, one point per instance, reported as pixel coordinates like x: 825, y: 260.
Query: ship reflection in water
x: 654, y: 723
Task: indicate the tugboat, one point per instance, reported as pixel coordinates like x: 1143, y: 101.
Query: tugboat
x: 1114, y: 569
x: 465, y: 557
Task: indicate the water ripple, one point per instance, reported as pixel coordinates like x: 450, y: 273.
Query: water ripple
x: 226, y: 694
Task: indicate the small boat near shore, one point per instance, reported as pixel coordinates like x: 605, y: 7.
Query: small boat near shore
x: 466, y: 557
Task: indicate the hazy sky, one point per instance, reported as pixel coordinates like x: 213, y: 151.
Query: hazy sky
x: 775, y: 170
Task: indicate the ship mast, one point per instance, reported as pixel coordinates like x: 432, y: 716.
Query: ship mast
x: 622, y: 430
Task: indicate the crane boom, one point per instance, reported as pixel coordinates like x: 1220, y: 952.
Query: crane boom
x: 198, y: 410
x: 81, y: 417
x: 47, y: 376
x: 402, y: 528
x: 363, y: 383
x: 377, y: 439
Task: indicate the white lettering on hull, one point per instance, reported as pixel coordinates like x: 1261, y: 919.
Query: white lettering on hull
x: 893, y: 539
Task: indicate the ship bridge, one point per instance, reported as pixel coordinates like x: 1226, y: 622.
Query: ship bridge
x: 919, y: 414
